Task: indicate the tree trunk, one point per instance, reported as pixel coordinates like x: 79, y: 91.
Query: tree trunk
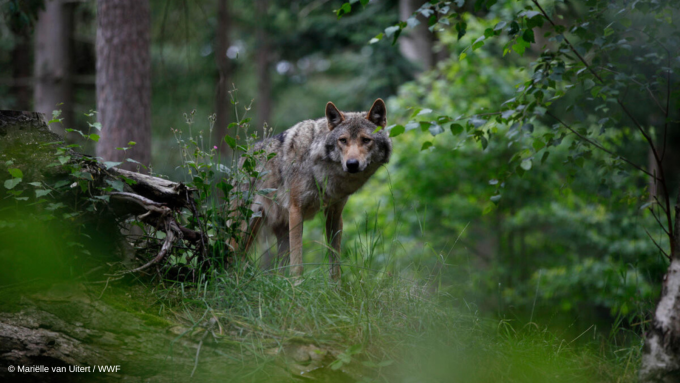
x: 21, y: 69
x: 52, y: 61
x: 661, y: 353
x: 222, y: 99
x: 418, y: 43
x: 263, y: 103
x: 124, y: 80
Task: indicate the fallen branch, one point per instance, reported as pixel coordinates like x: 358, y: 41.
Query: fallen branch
x: 152, y: 200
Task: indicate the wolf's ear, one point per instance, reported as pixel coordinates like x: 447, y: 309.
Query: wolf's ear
x: 378, y: 113
x: 333, y: 116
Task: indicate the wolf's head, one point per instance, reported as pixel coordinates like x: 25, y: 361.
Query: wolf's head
x: 352, y: 140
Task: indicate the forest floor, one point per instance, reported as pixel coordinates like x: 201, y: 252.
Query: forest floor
x: 254, y: 326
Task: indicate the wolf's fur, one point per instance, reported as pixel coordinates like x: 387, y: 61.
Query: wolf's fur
x: 310, y: 172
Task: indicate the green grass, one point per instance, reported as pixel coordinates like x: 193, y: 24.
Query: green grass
x: 378, y: 327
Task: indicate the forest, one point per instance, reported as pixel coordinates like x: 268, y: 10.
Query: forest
x: 522, y: 223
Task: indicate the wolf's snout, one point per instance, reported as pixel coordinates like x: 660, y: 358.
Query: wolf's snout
x: 352, y: 166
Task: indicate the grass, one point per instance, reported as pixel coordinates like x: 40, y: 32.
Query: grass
x: 376, y: 327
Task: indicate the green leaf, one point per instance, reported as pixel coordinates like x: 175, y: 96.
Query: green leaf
x: 545, y: 157
x: 135, y: 162
x: 16, y: 173
x: 109, y: 164
x: 230, y: 141
x: 94, y: 137
x: 528, y: 36
x: 41, y: 192
x: 64, y: 159
x: 495, y: 198
x: 397, y: 130
x: 11, y: 183
x: 377, y: 38
x: 538, y: 144
x: 456, y: 129
x: 426, y: 145
x: 424, y: 111
x: 116, y: 185
x: 500, y: 26
x: 61, y: 183
x: 436, y: 129
x: 424, y: 125
x: 344, y: 9
x: 96, y: 125
x: 132, y: 143
x: 461, y: 28
x: 389, y: 31
x: 484, y: 141
x: 478, y: 43
x: 526, y: 164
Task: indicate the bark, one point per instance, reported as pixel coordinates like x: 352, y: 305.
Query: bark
x: 124, y: 80
x: 263, y: 106
x: 661, y: 353
x: 224, y: 68
x: 21, y: 69
x: 52, y: 69
x: 418, y: 44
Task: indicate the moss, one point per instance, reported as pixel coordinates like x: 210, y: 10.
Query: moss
x: 30, y: 145
x: 135, y: 306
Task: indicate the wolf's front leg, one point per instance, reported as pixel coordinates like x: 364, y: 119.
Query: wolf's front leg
x: 295, y: 224
x: 334, y: 236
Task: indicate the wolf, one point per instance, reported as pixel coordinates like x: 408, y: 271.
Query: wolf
x: 317, y: 165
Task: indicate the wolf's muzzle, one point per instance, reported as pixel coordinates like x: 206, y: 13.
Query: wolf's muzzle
x: 352, y: 166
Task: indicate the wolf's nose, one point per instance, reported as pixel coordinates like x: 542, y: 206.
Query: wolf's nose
x: 352, y: 166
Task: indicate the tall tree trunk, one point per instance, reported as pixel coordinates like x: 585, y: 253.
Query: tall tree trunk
x: 21, y: 70
x: 263, y: 103
x: 124, y: 80
x: 52, y: 61
x: 418, y: 44
x: 661, y: 353
x: 222, y: 99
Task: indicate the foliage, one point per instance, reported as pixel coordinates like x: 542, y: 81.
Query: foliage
x: 560, y: 198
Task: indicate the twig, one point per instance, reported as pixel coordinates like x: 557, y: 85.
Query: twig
x: 656, y: 100
x: 586, y: 139
x: 659, y: 221
x: 657, y: 245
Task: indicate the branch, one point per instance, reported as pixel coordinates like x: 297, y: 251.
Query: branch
x: 637, y: 124
x: 167, y: 245
x: 586, y: 139
x: 659, y: 221
x: 657, y: 245
x: 656, y: 101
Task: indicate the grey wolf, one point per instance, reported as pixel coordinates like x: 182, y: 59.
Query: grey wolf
x: 317, y: 166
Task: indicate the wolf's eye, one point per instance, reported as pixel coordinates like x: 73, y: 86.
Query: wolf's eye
x: 343, y: 140
x: 366, y: 140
